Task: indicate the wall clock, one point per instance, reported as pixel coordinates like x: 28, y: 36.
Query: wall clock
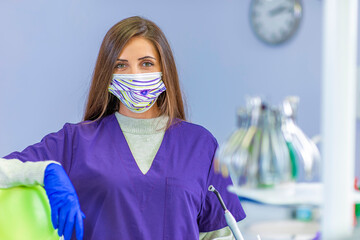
x: 275, y: 21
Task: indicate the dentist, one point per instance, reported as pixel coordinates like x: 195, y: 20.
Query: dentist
x: 134, y: 167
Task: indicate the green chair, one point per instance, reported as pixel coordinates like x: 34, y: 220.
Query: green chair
x: 25, y: 214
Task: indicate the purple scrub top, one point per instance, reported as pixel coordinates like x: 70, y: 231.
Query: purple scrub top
x: 170, y: 201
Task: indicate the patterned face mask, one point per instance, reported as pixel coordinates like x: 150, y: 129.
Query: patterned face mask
x: 138, y: 92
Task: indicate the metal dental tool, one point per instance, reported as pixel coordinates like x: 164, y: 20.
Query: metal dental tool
x: 230, y: 220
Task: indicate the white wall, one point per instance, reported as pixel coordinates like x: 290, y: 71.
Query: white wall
x: 48, y: 50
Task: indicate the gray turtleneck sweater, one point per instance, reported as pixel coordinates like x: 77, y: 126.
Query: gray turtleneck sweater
x: 144, y: 137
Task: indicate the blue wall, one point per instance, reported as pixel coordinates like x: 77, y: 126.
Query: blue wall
x: 48, y: 50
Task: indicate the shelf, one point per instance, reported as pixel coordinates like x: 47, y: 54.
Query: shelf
x: 287, y: 195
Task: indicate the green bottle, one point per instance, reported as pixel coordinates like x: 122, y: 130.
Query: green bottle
x: 292, y: 152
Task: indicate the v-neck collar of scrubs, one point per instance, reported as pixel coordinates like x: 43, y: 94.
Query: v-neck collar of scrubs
x: 127, y: 157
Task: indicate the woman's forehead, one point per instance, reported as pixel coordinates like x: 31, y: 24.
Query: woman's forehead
x: 138, y: 47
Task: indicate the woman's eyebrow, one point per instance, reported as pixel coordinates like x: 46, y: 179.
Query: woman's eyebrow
x: 146, y: 57
x: 124, y: 60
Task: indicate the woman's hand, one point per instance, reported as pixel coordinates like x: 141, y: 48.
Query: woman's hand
x: 64, y: 203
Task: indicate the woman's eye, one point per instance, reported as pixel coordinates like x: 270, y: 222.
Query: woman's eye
x: 120, y: 65
x: 147, y: 64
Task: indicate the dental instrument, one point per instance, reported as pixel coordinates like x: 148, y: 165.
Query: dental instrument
x: 230, y: 220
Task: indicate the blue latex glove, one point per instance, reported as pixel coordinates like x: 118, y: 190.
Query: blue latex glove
x: 64, y: 203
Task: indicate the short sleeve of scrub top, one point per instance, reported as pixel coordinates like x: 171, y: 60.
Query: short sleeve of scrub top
x: 212, y: 217
x: 55, y: 146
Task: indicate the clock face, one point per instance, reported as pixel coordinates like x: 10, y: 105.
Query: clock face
x: 275, y: 21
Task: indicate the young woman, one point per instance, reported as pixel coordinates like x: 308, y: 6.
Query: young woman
x: 134, y: 167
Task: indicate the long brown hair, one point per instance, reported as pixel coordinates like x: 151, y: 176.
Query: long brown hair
x: 101, y: 102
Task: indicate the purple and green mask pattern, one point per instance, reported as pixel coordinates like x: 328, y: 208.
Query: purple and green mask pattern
x: 138, y: 92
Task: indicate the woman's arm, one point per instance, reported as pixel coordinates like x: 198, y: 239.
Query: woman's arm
x: 221, y: 234
x: 14, y: 172
x: 211, y: 216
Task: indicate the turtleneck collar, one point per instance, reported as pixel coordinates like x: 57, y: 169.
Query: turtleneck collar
x: 142, y: 126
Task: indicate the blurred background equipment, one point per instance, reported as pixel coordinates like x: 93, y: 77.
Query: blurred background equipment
x: 268, y: 148
x: 271, y: 161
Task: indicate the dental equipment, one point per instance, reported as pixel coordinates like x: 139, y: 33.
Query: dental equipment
x: 268, y: 148
x: 230, y: 220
